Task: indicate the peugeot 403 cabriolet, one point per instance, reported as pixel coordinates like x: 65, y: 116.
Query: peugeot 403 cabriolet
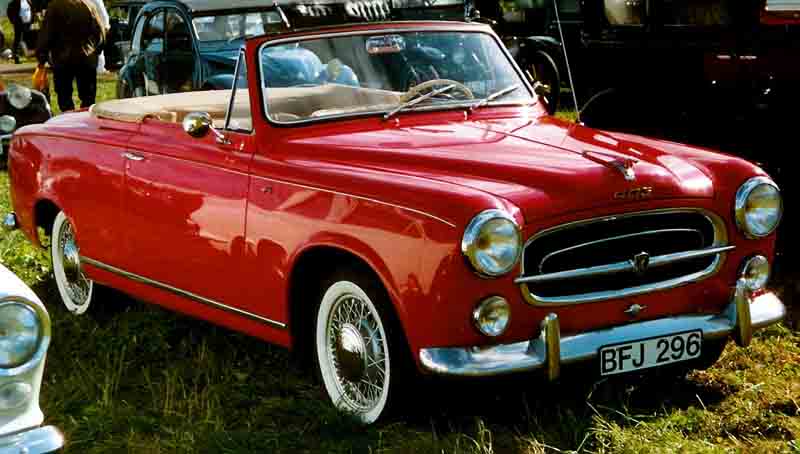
x: 385, y: 216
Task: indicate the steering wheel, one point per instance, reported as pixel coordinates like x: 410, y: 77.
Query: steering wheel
x: 417, y: 89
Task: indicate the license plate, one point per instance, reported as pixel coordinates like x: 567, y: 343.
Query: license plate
x: 647, y: 353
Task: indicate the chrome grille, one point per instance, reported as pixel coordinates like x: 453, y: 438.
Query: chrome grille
x: 620, y: 256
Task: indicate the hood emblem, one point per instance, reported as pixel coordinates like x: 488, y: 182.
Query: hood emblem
x: 626, y: 167
x: 623, y: 165
x: 641, y: 262
x: 635, y: 310
x: 634, y: 193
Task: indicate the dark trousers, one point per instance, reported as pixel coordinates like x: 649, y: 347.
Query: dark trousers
x: 20, y: 30
x: 84, y: 74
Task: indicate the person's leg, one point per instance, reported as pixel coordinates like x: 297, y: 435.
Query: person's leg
x: 15, y: 48
x: 86, y: 75
x: 62, y: 80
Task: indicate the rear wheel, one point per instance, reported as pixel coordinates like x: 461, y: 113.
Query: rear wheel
x: 356, y: 340
x: 73, y: 287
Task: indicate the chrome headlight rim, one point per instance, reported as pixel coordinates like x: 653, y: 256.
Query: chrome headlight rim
x: 478, y: 312
x: 747, y: 267
x: 740, y: 206
x: 7, y: 120
x: 44, y: 336
x: 471, y: 233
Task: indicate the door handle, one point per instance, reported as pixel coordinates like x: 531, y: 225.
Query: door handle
x: 133, y: 156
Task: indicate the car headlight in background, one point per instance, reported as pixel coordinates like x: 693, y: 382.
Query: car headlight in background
x: 7, y: 124
x: 20, y: 97
x: 20, y: 334
x: 492, y: 316
x: 758, y: 207
x: 492, y: 243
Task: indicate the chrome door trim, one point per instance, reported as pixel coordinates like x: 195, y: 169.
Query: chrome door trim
x: 180, y: 292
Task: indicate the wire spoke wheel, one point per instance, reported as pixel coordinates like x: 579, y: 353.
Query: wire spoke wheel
x: 352, y: 351
x: 73, y: 286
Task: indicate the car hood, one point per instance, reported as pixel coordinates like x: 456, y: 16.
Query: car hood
x: 225, y: 57
x: 543, y: 165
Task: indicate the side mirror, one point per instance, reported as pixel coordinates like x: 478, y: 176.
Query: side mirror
x: 197, y: 124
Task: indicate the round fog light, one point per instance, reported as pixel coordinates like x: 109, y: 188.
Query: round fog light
x: 14, y: 395
x: 492, y: 316
x: 756, y: 272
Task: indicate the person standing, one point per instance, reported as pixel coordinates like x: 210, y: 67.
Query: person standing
x: 70, y: 39
x: 20, y: 15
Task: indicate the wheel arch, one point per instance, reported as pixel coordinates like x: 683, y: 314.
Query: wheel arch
x: 311, y: 264
x: 45, y: 211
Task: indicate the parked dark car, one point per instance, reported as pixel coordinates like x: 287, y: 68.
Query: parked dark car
x: 19, y: 106
x: 190, y: 45
x: 118, y: 41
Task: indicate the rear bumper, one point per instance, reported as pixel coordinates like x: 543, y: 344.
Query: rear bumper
x: 34, y: 441
x: 550, y: 350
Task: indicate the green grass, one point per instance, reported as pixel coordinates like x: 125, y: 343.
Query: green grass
x: 133, y: 378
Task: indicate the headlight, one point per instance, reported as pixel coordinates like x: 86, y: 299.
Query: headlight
x: 20, y: 334
x: 492, y: 243
x: 492, y: 316
x: 759, y: 207
x: 7, y: 124
x: 755, y: 272
x: 20, y: 97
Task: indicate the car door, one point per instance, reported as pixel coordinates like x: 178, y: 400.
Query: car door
x: 179, y: 55
x: 152, y: 66
x: 185, y: 218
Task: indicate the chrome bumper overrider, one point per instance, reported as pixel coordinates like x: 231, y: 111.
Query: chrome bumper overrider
x: 35, y: 441
x: 550, y: 350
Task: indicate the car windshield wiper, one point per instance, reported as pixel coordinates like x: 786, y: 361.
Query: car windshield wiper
x: 493, y: 96
x: 414, y: 101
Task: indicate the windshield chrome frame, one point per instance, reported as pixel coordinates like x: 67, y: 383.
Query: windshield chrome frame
x: 440, y: 106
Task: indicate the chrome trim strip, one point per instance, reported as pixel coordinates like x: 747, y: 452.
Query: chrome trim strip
x: 345, y: 194
x: 452, y: 27
x: 764, y: 310
x: 179, y: 292
x: 720, y: 240
x: 613, y: 238
x: 622, y: 267
x: 38, y: 440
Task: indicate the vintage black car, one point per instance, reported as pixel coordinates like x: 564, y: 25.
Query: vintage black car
x: 189, y: 45
x: 118, y: 40
x: 20, y: 106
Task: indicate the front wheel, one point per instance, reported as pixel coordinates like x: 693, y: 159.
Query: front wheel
x: 75, y: 289
x: 352, y: 344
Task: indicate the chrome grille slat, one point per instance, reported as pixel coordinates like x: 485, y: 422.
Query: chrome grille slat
x: 607, y: 240
x: 622, y: 267
x: 593, y: 260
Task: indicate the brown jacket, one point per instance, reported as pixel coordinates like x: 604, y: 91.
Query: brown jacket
x: 71, y: 33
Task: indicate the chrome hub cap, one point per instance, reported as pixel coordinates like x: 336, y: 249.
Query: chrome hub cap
x: 351, y: 353
x: 356, y: 351
x: 77, y: 284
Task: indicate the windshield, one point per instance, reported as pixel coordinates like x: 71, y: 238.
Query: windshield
x: 381, y: 72
x: 219, y: 30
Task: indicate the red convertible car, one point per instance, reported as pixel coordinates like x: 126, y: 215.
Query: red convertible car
x: 393, y: 198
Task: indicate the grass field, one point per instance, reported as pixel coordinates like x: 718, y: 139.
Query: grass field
x: 133, y: 378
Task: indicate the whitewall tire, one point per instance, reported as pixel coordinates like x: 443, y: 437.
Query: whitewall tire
x: 352, y: 351
x: 73, y: 287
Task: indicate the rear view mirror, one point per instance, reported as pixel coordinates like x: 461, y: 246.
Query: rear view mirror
x: 197, y: 124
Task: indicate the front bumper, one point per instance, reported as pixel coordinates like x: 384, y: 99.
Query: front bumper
x: 550, y: 350
x: 34, y: 441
